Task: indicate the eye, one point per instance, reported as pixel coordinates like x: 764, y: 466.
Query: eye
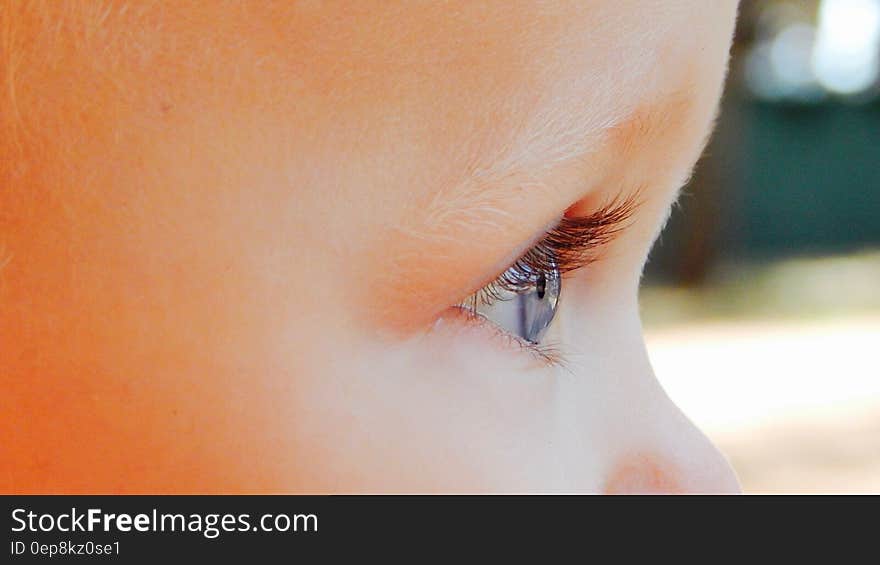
x: 523, y: 300
x: 525, y: 304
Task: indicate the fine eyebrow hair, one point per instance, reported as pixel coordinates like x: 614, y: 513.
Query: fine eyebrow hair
x: 547, y: 141
x: 517, y: 169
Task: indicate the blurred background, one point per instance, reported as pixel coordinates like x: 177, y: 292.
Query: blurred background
x: 762, y: 299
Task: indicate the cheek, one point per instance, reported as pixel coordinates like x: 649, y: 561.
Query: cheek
x: 412, y: 418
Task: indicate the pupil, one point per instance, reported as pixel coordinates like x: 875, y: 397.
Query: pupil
x: 541, y: 286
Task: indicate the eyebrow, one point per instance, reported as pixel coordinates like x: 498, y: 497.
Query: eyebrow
x: 517, y: 172
x: 549, y: 140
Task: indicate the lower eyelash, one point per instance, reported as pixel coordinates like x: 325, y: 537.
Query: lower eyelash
x: 548, y: 354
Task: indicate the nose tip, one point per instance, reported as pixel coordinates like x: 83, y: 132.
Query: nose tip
x: 642, y: 474
x: 653, y: 473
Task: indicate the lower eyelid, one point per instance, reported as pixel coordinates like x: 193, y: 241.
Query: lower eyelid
x: 469, y: 329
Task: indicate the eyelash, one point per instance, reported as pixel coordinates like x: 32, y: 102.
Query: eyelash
x: 569, y: 246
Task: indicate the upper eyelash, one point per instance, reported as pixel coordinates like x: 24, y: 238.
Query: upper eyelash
x: 569, y: 246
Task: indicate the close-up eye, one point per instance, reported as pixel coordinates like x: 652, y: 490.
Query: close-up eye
x: 524, y: 299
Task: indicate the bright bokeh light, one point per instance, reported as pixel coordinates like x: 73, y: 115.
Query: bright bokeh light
x: 846, y: 57
x: 790, y: 56
x: 781, y: 67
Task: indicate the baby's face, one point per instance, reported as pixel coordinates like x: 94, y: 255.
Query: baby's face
x: 235, y: 240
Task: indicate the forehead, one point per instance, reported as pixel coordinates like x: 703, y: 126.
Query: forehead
x: 382, y: 60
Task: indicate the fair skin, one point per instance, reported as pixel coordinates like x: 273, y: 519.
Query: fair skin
x: 228, y: 236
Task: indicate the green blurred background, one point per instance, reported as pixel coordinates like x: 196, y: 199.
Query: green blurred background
x: 762, y: 299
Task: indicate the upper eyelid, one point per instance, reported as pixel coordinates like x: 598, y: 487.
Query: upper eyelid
x: 571, y: 244
x: 442, y: 266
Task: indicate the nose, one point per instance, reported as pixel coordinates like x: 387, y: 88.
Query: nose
x: 680, y: 461
x: 651, y: 473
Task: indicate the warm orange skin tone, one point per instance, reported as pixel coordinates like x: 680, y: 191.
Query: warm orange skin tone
x: 226, y: 233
